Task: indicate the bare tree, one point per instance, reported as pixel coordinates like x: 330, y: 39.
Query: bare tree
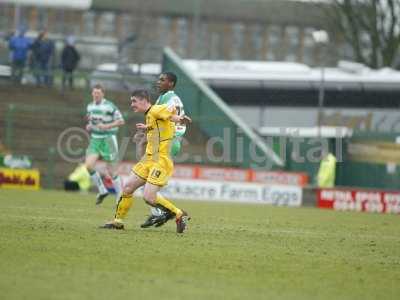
x: 371, y: 27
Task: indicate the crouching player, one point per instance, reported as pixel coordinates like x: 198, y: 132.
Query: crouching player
x: 155, y: 168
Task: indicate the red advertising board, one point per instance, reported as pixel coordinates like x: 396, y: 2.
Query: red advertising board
x: 225, y: 174
x: 241, y: 175
x: 359, y: 200
x: 288, y: 178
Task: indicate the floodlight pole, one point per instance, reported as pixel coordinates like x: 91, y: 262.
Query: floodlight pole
x: 17, y: 16
x: 196, y: 28
x: 321, y: 38
x: 321, y: 93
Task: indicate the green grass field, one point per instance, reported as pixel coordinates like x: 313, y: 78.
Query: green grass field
x: 51, y: 248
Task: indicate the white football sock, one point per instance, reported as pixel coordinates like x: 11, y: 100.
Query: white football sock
x: 118, y: 187
x: 156, y: 211
x: 96, y: 178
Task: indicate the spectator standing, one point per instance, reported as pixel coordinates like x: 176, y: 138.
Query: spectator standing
x: 327, y: 171
x: 69, y: 61
x: 42, y: 53
x: 19, y: 44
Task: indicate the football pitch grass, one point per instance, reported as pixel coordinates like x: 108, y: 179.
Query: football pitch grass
x: 51, y: 248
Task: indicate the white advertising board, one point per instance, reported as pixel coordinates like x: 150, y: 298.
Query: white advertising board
x: 189, y: 189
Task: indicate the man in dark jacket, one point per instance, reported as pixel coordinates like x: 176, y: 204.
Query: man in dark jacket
x: 42, y: 54
x: 69, y: 61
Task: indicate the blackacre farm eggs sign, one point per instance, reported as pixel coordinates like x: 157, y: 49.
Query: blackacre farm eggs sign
x: 188, y: 189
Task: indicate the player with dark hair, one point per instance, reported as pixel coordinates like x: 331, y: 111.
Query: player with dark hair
x: 156, y: 166
x: 166, y: 84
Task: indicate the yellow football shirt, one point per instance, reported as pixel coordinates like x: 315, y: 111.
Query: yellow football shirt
x: 160, y: 129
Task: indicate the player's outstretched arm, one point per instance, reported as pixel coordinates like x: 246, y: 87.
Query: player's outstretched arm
x: 116, y: 123
x: 180, y: 119
x: 141, y: 126
x: 140, y: 136
x: 141, y: 141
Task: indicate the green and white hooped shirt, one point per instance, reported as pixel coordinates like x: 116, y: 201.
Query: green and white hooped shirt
x: 171, y: 98
x: 103, y: 113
